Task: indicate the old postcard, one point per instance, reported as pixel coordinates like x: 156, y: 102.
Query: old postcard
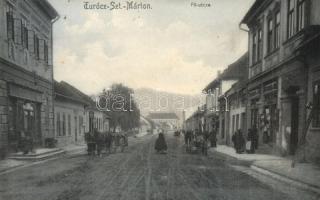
x: 159, y: 99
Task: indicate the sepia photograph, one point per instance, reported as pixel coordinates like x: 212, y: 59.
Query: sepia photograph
x: 159, y: 99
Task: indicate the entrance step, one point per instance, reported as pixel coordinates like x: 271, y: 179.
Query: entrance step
x: 38, y: 154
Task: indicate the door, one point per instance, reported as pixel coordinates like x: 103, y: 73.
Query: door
x: 294, y: 125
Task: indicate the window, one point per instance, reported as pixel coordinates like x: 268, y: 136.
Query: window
x: 69, y: 125
x: 254, y: 48
x: 58, y: 125
x: 80, y: 124
x: 316, y: 105
x: 10, y: 22
x: 277, y: 30
x: 45, y: 49
x: 64, y: 124
x: 301, y: 14
x: 291, y: 7
x: 36, y: 47
x: 24, y: 34
x: 259, y: 48
x: 270, y: 35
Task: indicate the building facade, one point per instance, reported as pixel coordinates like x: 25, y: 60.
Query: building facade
x: 26, y: 72
x: 281, y: 72
x: 217, y: 109
x: 70, y: 115
x: 165, y: 120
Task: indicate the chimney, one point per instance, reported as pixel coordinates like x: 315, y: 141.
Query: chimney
x: 218, y: 73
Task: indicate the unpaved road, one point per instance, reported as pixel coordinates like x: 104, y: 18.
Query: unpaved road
x: 140, y: 174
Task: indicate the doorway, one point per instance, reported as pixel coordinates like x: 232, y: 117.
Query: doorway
x: 294, y: 125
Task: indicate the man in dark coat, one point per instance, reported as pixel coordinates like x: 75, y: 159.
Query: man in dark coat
x: 108, y: 142
x: 91, y: 143
x: 238, y: 141
x: 213, y: 138
x: 99, y: 139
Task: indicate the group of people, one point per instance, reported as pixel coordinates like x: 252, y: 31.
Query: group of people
x: 200, y: 139
x: 97, y: 141
x: 241, y: 145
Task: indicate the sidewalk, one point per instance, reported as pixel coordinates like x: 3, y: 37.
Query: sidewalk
x: 303, y: 175
x: 11, y: 164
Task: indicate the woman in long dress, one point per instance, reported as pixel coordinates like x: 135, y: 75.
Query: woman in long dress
x: 161, y: 144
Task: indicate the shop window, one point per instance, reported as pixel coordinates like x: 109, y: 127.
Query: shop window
x: 316, y: 105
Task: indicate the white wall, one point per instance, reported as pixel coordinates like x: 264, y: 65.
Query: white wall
x: 72, y: 110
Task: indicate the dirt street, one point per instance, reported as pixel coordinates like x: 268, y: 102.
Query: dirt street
x: 138, y: 174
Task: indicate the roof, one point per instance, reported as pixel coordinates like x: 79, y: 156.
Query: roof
x: 163, y: 115
x: 48, y: 8
x: 64, y: 92
x: 237, y: 70
x: 252, y: 11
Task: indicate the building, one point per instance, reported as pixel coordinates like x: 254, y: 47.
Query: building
x: 233, y: 104
x: 146, y: 125
x: 197, y: 121
x: 70, y: 115
x: 26, y: 72
x: 167, y: 120
x: 284, y: 73
x: 216, y: 115
x: 93, y: 117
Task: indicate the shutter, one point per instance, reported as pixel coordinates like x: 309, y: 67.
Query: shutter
x: 31, y: 41
x: 49, y: 55
x: 41, y: 49
x: 17, y: 31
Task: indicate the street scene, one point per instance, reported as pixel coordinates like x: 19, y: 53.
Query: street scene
x: 140, y: 173
x: 160, y: 100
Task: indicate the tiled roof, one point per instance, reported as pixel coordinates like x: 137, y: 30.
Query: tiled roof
x: 163, y: 115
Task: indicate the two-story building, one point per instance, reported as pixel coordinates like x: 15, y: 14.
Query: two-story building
x: 26, y: 72
x: 217, y: 113
x: 283, y: 73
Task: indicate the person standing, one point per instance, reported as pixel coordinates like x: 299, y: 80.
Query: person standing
x: 213, y: 138
x: 90, y: 140
x: 99, y: 141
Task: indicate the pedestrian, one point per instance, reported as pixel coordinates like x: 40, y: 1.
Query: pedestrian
x: 108, y: 142
x: 204, y: 143
x: 161, y: 144
x: 90, y: 140
x: 99, y: 140
x: 238, y: 141
x: 250, y: 148
x: 255, y: 137
x: 213, y: 138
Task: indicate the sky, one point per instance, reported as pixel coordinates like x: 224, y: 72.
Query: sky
x: 173, y: 47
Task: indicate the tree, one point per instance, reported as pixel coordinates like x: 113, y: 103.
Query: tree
x: 119, y: 105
